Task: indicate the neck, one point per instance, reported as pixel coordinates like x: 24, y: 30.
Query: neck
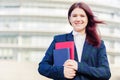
x: 82, y: 32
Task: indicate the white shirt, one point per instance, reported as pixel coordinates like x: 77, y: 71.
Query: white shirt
x: 79, y: 43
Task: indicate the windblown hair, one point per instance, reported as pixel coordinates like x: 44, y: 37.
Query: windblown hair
x: 92, y: 36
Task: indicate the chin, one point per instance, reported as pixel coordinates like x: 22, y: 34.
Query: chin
x: 77, y: 30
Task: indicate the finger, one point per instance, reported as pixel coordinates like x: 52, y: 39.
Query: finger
x: 68, y: 63
x: 71, y: 75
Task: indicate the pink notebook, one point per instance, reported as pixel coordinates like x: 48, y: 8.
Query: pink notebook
x: 67, y: 44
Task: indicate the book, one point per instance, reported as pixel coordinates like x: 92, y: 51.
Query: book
x: 60, y: 56
x: 67, y: 44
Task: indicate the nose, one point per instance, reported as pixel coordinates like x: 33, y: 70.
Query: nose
x: 78, y: 18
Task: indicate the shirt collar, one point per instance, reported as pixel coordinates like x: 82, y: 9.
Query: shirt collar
x: 76, y: 33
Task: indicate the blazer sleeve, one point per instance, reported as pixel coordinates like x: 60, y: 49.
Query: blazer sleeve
x: 46, y: 66
x: 101, y: 72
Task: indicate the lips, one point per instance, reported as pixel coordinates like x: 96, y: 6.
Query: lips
x: 79, y: 22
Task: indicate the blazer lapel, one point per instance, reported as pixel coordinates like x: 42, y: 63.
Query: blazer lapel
x: 86, y: 52
x: 75, y: 54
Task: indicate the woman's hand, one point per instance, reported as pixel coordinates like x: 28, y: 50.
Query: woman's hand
x: 69, y: 73
x: 71, y: 64
x: 70, y: 67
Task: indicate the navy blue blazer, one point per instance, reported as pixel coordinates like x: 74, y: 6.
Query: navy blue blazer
x: 93, y: 66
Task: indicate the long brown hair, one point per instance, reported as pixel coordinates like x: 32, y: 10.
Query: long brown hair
x: 92, y: 36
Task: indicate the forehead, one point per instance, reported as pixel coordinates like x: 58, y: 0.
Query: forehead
x: 78, y: 11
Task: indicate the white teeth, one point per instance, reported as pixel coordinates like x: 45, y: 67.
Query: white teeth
x: 80, y: 22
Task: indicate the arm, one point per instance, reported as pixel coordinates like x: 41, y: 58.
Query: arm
x: 46, y: 67
x: 100, y: 72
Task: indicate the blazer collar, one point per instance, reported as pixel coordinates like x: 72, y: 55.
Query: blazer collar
x: 70, y: 36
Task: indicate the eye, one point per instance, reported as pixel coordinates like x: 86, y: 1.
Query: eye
x: 74, y: 15
x: 82, y: 15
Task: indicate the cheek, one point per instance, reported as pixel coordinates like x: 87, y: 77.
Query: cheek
x: 72, y: 20
x: 86, y: 20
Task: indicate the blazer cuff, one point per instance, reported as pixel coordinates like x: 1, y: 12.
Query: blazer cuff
x: 81, y: 67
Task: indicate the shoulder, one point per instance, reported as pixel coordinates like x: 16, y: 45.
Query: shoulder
x: 102, y: 44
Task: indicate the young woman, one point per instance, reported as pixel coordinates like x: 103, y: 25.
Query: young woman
x: 90, y: 61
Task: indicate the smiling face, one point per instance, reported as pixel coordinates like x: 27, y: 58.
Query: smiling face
x: 79, y: 20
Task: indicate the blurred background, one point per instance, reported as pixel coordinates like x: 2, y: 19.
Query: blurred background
x: 27, y: 28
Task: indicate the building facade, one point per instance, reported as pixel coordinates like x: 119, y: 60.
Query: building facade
x: 27, y: 27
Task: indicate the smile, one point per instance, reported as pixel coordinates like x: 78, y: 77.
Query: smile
x: 79, y: 22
